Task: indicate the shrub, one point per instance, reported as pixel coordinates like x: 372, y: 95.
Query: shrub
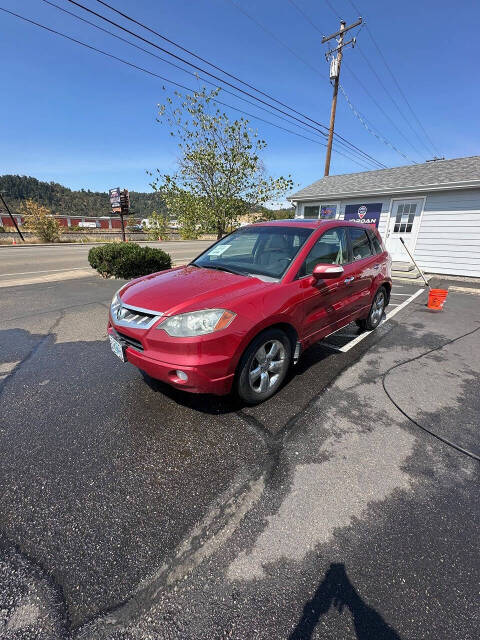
x: 127, y: 260
x: 2, y: 230
x: 39, y: 220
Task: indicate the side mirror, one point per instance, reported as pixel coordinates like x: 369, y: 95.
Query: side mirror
x: 327, y: 271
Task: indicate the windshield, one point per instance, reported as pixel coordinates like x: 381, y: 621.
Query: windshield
x: 257, y: 251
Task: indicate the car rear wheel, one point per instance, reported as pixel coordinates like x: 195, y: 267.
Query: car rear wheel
x: 376, y: 312
x: 263, y: 366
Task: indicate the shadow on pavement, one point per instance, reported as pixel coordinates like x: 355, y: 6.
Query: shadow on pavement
x: 337, y: 590
x: 218, y: 405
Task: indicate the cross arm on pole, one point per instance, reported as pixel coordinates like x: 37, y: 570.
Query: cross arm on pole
x: 344, y: 44
x: 337, y: 33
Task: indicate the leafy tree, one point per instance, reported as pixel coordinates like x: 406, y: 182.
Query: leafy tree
x: 40, y: 221
x: 220, y: 174
x: 157, y: 228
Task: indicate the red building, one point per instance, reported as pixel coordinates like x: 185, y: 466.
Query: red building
x: 99, y: 222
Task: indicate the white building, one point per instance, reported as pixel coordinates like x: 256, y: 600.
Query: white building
x: 434, y: 207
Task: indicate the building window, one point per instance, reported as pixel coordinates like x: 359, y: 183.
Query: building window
x: 404, y: 218
x: 311, y: 212
x: 323, y: 211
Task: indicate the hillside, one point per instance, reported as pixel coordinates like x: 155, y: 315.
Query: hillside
x: 61, y: 200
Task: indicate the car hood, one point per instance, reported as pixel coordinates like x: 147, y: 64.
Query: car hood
x: 188, y: 289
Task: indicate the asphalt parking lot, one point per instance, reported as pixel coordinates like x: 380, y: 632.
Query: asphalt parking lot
x: 129, y: 509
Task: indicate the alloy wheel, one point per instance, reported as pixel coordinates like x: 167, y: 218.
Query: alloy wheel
x: 267, y: 366
x: 378, y: 307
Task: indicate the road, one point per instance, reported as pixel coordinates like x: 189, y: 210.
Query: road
x: 23, y: 261
x: 130, y: 510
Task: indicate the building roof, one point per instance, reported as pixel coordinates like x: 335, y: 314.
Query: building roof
x: 459, y: 173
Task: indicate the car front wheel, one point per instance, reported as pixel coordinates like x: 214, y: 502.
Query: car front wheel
x: 263, y: 366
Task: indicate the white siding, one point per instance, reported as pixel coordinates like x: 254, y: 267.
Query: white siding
x: 449, y: 242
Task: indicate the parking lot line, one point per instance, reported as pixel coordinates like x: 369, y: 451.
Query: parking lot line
x: 363, y: 335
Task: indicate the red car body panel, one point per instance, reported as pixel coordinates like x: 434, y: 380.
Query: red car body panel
x: 310, y: 309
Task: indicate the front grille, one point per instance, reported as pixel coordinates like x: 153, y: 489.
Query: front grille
x: 135, y: 318
x: 131, y: 342
x: 128, y: 316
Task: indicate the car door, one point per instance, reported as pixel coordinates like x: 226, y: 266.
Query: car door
x: 362, y: 271
x: 323, y: 304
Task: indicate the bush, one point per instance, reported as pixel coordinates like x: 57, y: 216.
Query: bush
x: 127, y: 260
x: 2, y: 230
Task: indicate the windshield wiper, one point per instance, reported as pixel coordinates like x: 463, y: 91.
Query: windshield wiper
x: 222, y: 268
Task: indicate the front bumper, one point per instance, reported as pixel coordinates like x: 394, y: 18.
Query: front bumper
x: 212, y: 376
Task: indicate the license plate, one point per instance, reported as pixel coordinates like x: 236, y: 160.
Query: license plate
x: 117, y: 349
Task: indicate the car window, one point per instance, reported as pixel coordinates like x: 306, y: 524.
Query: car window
x: 260, y: 251
x: 330, y: 248
x: 243, y: 245
x: 360, y: 243
x: 377, y: 247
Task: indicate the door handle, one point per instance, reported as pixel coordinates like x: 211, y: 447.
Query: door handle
x: 348, y: 280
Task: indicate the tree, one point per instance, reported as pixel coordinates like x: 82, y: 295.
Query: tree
x: 40, y: 221
x: 220, y: 175
x: 157, y: 227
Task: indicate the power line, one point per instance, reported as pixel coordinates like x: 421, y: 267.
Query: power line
x: 330, y: 6
x: 302, y: 13
x: 156, y: 75
x: 276, y: 38
x: 197, y: 76
x: 370, y: 127
x: 259, y: 24
x: 381, y: 83
x: 366, y: 155
x: 176, y: 66
x: 380, y: 108
x: 435, y: 150
x: 193, y: 54
x: 379, y: 136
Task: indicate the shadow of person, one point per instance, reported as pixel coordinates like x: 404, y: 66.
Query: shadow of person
x: 336, y: 590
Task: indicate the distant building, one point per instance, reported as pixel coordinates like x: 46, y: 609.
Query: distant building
x: 86, y: 222
x: 434, y: 207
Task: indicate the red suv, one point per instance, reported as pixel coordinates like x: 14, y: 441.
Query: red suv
x: 241, y: 313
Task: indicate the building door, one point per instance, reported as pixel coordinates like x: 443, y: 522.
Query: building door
x: 403, y: 223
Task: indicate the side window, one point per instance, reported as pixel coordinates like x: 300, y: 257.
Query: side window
x: 330, y: 248
x: 377, y: 247
x: 310, y: 212
x: 360, y: 244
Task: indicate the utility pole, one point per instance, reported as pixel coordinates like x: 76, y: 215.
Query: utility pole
x: 12, y: 218
x: 336, y: 63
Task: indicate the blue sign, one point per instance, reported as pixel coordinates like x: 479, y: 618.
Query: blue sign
x: 366, y: 213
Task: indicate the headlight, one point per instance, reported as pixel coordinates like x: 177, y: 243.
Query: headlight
x: 197, y: 323
x: 116, y: 302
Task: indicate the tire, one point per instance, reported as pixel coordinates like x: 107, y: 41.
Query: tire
x: 375, y: 314
x: 258, y: 376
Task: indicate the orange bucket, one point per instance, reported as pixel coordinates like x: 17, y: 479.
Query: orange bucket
x: 436, y: 299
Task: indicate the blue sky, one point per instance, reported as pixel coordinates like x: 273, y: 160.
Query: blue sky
x: 75, y: 117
